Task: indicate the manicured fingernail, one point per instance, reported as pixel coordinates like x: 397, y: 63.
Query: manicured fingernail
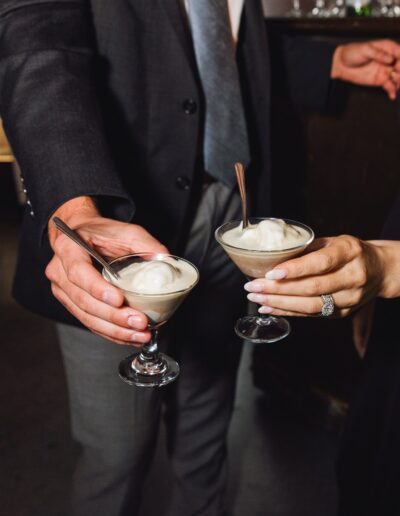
x: 265, y: 310
x: 252, y: 286
x: 134, y: 321
x: 110, y: 297
x: 256, y: 298
x: 276, y: 274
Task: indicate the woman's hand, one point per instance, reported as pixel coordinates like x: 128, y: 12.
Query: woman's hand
x: 81, y: 288
x: 353, y: 271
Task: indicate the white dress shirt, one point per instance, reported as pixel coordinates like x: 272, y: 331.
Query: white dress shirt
x: 235, y: 8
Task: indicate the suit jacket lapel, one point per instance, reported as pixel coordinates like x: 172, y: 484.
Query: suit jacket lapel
x: 175, y: 11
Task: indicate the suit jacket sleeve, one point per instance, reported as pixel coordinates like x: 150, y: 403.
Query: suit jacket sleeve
x: 304, y: 65
x: 391, y: 229
x: 50, y: 110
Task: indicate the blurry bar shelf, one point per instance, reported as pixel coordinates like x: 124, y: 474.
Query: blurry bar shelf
x: 337, y: 26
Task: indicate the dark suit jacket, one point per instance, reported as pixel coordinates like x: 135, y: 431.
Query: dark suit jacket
x: 102, y: 98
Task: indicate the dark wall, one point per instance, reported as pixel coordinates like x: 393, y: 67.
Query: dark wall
x: 343, y: 166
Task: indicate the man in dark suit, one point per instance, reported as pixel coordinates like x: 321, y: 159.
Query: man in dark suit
x: 104, y: 105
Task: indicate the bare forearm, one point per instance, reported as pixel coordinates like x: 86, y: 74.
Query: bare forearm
x: 389, y: 257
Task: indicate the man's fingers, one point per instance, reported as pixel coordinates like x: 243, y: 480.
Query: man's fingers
x: 107, y: 329
x: 388, y: 46
x: 394, y: 76
x: 79, y: 270
x: 87, y: 278
x: 126, y: 317
x: 378, y: 54
x: 390, y: 88
x: 116, y: 341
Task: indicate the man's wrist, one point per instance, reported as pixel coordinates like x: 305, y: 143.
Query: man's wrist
x: 336, y: 63
x: 73, y: 212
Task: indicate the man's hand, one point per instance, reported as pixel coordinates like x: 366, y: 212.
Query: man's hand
x: 81, y: 288
x: 369, y: 64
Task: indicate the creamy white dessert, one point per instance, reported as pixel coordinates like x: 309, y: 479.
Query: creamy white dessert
x: 157, y: 277
x: 260, y: 247
x: 156, y: 287
x: 268, y: 235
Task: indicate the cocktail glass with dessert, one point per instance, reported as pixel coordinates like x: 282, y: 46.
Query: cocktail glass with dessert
x: 155, y: 284
x: 265, y: 243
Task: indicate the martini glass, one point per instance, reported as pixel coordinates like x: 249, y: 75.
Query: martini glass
x: 148, y: 367
x: 255, y: 264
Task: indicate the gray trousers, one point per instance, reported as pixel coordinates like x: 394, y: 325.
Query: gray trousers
x: 117, y: 425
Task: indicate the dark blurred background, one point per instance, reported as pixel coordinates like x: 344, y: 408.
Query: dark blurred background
x: 343, y: 167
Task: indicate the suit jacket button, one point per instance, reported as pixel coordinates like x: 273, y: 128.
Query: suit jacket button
x: 189, y: 106
x: 183, y: 183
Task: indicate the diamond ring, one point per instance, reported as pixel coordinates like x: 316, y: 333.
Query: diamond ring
x: 328, y: 306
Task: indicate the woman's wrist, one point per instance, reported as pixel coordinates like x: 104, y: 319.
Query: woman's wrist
x: 388, y: 254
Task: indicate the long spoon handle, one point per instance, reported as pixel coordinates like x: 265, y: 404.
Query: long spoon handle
x: 239, y: 168
x: 73, y: 235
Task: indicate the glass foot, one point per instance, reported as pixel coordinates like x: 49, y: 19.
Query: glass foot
x: 144, y: 373
x: 262, y: 329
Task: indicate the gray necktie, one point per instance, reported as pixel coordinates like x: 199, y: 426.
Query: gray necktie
x: 225, y: 133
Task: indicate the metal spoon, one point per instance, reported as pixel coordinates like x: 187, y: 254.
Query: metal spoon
x: 239, y: 168
x: 73, y: 235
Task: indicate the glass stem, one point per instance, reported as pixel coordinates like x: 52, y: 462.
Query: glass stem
x: 149, y: 351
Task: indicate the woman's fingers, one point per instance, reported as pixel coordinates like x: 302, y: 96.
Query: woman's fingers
x: 335, y: 253
x: 300, y: 305
x: 285, y: 313
x: 344, y: 279
x: 305, y: 306
x: 344, y: 267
